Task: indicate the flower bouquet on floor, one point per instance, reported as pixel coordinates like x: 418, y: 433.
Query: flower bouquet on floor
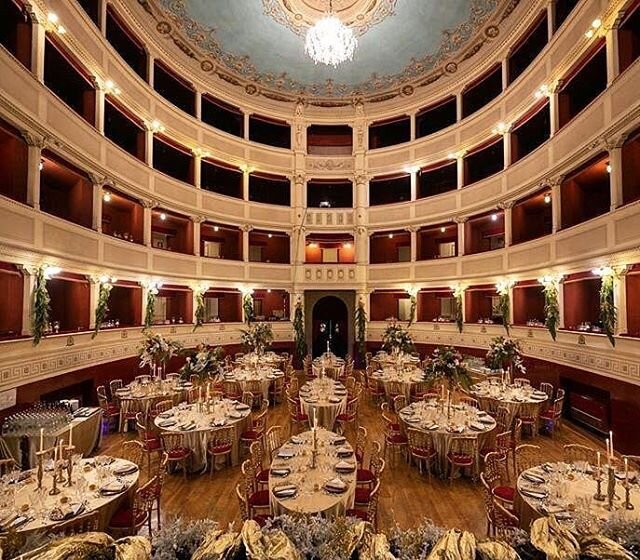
x: 396, y: 339
x: 504, y: 353
x: 446, y: 367
x: 257, y: 338
x: 205, y: 361
x: 156, y: 351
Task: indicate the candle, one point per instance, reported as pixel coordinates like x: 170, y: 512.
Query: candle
x: 70, y: 435
x: 598, y: 455
x: 611, y: 442
x: 60, y: 453
x: 626, y: 469
x: 55, y: 455
x: 606, y: 442
x: 200, y: 393
x: 41, y: 439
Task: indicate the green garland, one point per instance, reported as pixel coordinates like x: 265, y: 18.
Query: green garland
x: 608, y: 311
x: 151, y: 304
x: 200, y: 311
x: 247, y: 308
x: 457, y: 301
x: 298, y: 330
x: 504, y: 308
x: 41, y: 306
x: 361, y: 326
x: 551, y: 308
x: 102, y: 308
x: 412, y: 310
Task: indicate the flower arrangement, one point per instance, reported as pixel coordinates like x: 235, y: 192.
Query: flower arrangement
x: 608, y: 311
x: 505, y: 353
x: 298, y: 331
x: 179, y: 539
x: 41, y: 306
x: 102, y: 307
x: 247, y: 307
x: 257, y: 338
x: 157, y: 350
x: 396, y: 339
x: 203, y: 361
x: 458, y: 294
x: 200, y: 311
x: 447, y: 366
x: 503, y: 289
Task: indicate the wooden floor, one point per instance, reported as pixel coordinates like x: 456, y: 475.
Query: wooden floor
x: 406, y: 496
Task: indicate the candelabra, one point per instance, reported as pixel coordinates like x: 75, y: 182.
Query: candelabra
x: 599, y: 496
x: 69, y: 451
x: 40, y: 457
x: 627, y: 498
x: 611, y: 486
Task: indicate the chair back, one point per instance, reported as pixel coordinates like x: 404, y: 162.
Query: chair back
x: 503, y: 418
x: 256, y: 453
x: 574, y: 452
x: 419, y: 440
x: 102, y: 393
x: 389, y: 418
x: 495, y: 468
x: 172, y: 376
x: 273, y: 438
x: 231, y: 388
x: 394, y: 388
x: 171, y: 441
x: 86, y: 523
x: 162, y: 406
x: 350, y: 383
x: 372, y: 506
x: 464, y: 445
x: 521, y: 381
x: 548, y: 389
x: 470, y: 402
x: 259, y: 420
x: 142, y: 378
x: 114, y: 385
x: 399, y: 402
x: 145, y: 432
x: 221, y: 437
x: 143, y: 501
x: 361, y: 444
x: 242, y: 502
x: 133, y: 450
x: 527, y: 456
x: 247, y: 398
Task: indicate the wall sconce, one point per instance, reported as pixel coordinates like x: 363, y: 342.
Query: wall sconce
x: 50, y: 271
x: 106, y: 196
x: 547, y: 198
x: 494, y: 217
x: 41, y: 164
x: 110, y: 87
x: 216, y: 228
x: 608, y: 168
x: 346, y: 245
x: 156, y: 126
x: 270, y: 235
x: 443, y: 229
x: 595, y: 25
x: 391, y: 236
x: 163, y: 216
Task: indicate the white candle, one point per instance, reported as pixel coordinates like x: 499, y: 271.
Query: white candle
x: 60, y: 453
x: 611, y: 442
x: 606, y: 442
x: 55, y: 455
x: 41, y: 439
x: 70, y: 435
x: 200, y: 393
x: 598, y: 455
x: 626, y: 469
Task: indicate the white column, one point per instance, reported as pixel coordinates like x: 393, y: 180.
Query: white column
x: 198, y: 106
x: 504, y: 65
x: 97, y: 202
x: 146, y: 233
x: 197, y: 229
x: 556, y: 206
x: 246, y: 126
x: 245, y: 184
x: 99, y: 107
x: 511, y: 310
x: 362, y: 245
x: 37, y: 48
x: 412, y: 126
x: 554, y: 109
x: 298, y: 244
x: 150, y: 67
x: 613, y: 54
x: 461, y: 221
x: 246, y: 229
x: 459, y: 106
x: 148, y: 145
x: 94, y: 294
x: 28, y: 286
x: 414, y: 244
x: 614, y: 148
x: 561, y: 306
x: 620, y: 301
x: 506, y: 144
x: 197, y: 168
x: 414, y: 185
x: 551, y: 19
x: 507, y: 223
x: 35, y: 145
x: 460, y: 170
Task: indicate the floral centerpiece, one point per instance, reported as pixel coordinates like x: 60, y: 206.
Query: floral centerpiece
x: 203, y: 361
x: 257, y: 338
x: 396, y: 339
x: 156, y: 351
x: 447, y: 367
x: 505, y: 353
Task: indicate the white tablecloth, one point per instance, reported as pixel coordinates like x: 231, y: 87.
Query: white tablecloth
x: 323, y: 399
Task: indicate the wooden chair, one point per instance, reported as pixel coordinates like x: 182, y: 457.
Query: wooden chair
x: 257, y: 428
x: 399, y: 402
x: 462, y: 455
x: 162, y: 406
x: 293, y: 387
x: 370, y: 512
x: 515, y: 440
x: 419, y: 390
x: 245, y: 512
x: 495, y: 472
x: 521, y: 381
x: 350, y: 383
x: 367, y: 476
x: 361, y: 445
x: 220, y: 444
x: 548, y: 389
x: 254, y: 387
x: 257, y: 500
x: 552, y: 417
x: 130, y: 408
x: 142, y: 378
x: 133, y: 450
x: 470, y: 402
x: 530, y: 416
x: 128, y: 520
x: 114, y: 385
x: 349, y: 416
x: 394, y: 389
x: 501, y: 523
x: 421, y: 448
x: 527, y: 456
x: 156, y: 488
x: 393, y: 436
x: 503, y: 418
x: 375, y: 389
x: 297, y: 418
x: 273, y: 439
x: 148, y: 438
x: 176, y: 449
x: 574, y: 452
x: 86, y: 523
x: 364, y: 491
x: 276, y: 390
x: 256, y: 455
x: 307, y: 368
x: 231, y: 390
x: 110, y: 411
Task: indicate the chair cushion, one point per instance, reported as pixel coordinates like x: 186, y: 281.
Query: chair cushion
x: 124, y: 518
x: 152, y: 444
x: 365, y: 476
x: 178, y: 453
x: 300, y: 417
x: 506, y: 493
x: 423, y: 452
x: 358, y: 513
x: 263, y: 476
x: 220, y: 449
x: 345, y: 417
x: 396, y: 439
x: 251, y: 434
x: 460, y: 458
x: 363, y: 495
x: 259, y: 499
x: 112, y: 409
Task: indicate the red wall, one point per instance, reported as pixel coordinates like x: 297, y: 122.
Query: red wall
x: 581, y: 301
x: 11, y: 284
x: 528, y: 303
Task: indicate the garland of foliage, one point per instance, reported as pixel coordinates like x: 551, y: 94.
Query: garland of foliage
x: 457, y: 304
x: 204, y: 362
x: 247, y: 308
x: 504, y: 309
x: 298, y: 331
x: 361, y: 327
x: 551, y: 307
x: 102, y: 308
x: 412, y: 310
x: 41, y: 306
x: 608, y: 311
x: 200, y: 311
x: 151, y: 304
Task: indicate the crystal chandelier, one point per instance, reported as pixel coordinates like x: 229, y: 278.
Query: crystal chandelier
x: 330, y: 41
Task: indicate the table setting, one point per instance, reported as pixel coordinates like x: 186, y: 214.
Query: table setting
x: 324, y: 399
x: 406, y: 376
x: 195, y: 422
x: 445, y: 421
x: 514, y: 398
x: 29, y: 503
x: 313, y: 473
x: 143, y: 396
x: 328, y: 365
x: 254, y: 360
x: 265, y: 375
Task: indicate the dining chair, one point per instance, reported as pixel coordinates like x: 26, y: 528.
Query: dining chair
x: 463, y: 451
x: 162, y: 406
x: 393, y: 389
x: 530, y: 415
x: 257, y: 428
x: 245, y: 511
x: 254, y: 387
x: 501, y: 523
x: 87, y: 523
x: 363, y: 491
x: 503, y: 418
x: 527, y: 456
x: 231, y: 390
x: 177, y: 451
x: 521, y: 381
x: 145, y: 378
x: 114, y: 385
x: 256, y: 455
x: 361, y: 445
x: 129, y: 519
x: 399, y: 402
x: 547, y: 388
x: 350, y: 383
x: 495, y: 472
x: 133, y: 450
x: 393, y: 436
x: 419, y: 390
x: 276, y: 389
x: 421, y: 448
x: 110, y: 411
x: 551, y: 418
x: 369, y: 512
x: 574, y: 452
x: 470, y: 402
x: 148, y: 438
x: 220, y: 444
x: 349, y: 416
x: 297, y: 418
x: 258, y: 501
x: 273, y: 439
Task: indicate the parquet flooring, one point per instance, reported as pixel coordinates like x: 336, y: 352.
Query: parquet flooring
x: 406, y: 496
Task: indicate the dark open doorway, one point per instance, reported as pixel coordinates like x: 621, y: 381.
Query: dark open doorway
x: 330, y: 326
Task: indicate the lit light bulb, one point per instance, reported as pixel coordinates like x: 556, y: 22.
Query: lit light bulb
x: 608, y: 168
x: 163, y: 216
x: 41, y: 165
x: 270, y: 235
x: 52, y: 17
x: 547, y: 198
x: 216, y: 228
x: 443, y: 229
x: 494, y: 217
x: 346, y: 245
x: 596, y: 23
x: 589, y: 34
x: 61, y: 30
x: 391, y: 236
x: 106, y: 196
x: 269, y: 291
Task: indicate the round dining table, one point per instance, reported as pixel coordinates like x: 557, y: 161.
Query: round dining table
x: 100, y: 484
x: 515, y: 398
x: 398, y: 360
x: 328, y: 365
x: 434, y: 416
x: 568, y: 492
x: 266, y: 359
x: 264, y: 375
x: 322, y: 400
x: 403, y: 378
x: 299, y: 484
x: 196, y: 421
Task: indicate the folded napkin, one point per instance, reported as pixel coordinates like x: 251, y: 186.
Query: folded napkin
x: 242, y: 406
x: 280, y: 471
x: 113, y: 487
x: 165, y: 415
x: 478, y: 426
x: 125, y: 470
x: 60, y: 513
x: 285, y: 453
x: 188, y: 427
x: 335, y: 485
x: 310, y: 399
x: 531, y: 477
x: 455, y: 429
x: 338, y: 440
x: 297, y: 440
x: 433, y: 427
x: 536, y: 494
x: 285, y: 491
x: 167, y: 423
x: 486, y: 420
x: 335, y: 400
x: 344, y: 466
x: 540, y: 394
x: 344, y: 452
x: 14, y: 522
x: 219, y: 422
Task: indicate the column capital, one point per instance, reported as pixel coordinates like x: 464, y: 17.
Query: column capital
x: 34, y: 139
x: 246, y: 228
x: 299, y: 179
x: 552, y: 183
x: 460, y: 219
x: 148, y: 203
x: 614, y: 141
x: 198, y: 219
x: 506, y: 204
x: 201, y: 153
x: 359, y: 230
x: 361, y: 179
x: 411, y: 229
x: 34, y: 16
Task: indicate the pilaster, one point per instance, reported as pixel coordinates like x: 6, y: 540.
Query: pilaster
x: 461, y: 221
x: 28, y: 285
x: 97, y: 182
x: 35, y: 145
x: 246, y: 229
x: 197, y: 223
x: 147, y: 206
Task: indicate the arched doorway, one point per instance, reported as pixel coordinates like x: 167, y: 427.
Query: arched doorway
x: 330, y: 326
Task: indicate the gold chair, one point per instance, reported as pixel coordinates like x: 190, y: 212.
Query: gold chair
x: 421, y: 448
x: 370, y: 511
x: 128, y: 520
x: 463, y: 452
x: 162, y: 406
x: 257, y: 500
x: 470, y: 402
x: 574, y: 452
x: 220, y: 444
x: 361, y: 445
x: 495, y: 472
x: 177, y: 451
x: 548, y: 389
x: 393, y: 436
x: 527, y: 456
x: 552, y: 417
x: 245, y: 511
x: 399, y: 402
x: 114, y: 385
x: 349, y: 416
x: 258, y: 426
x: 297, y: 418
x: 133, y: 450
x: 148, y: 438
x: 86, y: 523
x: 521, y: 381
x: 273, y: 439
x: 276, y: 389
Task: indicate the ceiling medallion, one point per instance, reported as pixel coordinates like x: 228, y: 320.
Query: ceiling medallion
x: 329, y: 41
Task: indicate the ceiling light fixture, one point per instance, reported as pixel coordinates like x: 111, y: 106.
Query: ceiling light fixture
x: 106, y: 196
x: 330, y: 41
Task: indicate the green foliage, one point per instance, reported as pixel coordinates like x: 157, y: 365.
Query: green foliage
x: 505, y: 353
x: 504, y: 310
x: 396, y: 338
x: 102, y: 308
x: 151, y: 304
x: 608, y: 311
x: 247, y: 308
x: 257, y: 338
x: 205, y: 362
x: 41, y: 306
x: 446, y: 366
x: 457, y: 301
x: 298, y: 331
x: 200, y: 311
x: 412, y: 310
x: 361, y: 327
x: 551, y: 308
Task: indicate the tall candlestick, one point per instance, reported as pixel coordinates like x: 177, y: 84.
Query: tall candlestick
x: 55, y: 457
x: 611, y: 442
x: 41, y: 439
x: 606, y: 441
x: 71, y: 435
x: 626, y: 469
x: 598, y: 456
